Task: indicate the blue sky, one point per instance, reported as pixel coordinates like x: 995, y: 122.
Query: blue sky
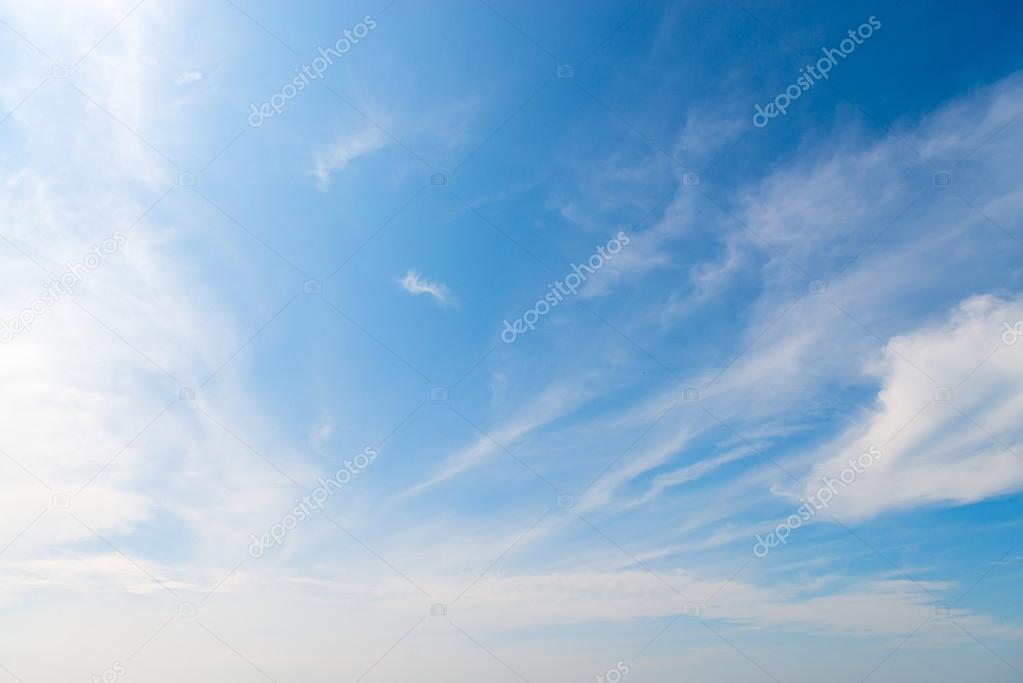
x: 270, y: 295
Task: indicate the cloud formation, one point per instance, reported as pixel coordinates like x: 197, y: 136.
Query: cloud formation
x: 414, y: 283
x: 344, y: 150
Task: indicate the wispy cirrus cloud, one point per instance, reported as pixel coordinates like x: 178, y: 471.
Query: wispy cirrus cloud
x: 414, y: 283
x: 187, y: 77
x: 572, y: 484
x: 345, y: 149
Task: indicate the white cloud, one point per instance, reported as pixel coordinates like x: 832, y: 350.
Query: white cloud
x: 795, y: 348
x: 345, y: 149
x: 186, y: 77
x: 92, y: 392
x: 935, y: 451
x: 67, y: 408
x: 553, y: 403
x: 321, y: 432
x: 414, y: 283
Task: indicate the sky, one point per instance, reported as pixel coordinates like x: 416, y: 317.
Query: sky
x: 511, y: 341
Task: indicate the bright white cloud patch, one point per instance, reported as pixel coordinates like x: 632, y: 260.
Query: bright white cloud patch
x: 344, y: 150
x: 414, y: 283
x: 956, y: 438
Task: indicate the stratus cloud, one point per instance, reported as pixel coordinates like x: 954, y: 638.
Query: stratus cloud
x: 869, y: 608
x: 344, y: 150
x: 940, y: 451
x: 414, y: 283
